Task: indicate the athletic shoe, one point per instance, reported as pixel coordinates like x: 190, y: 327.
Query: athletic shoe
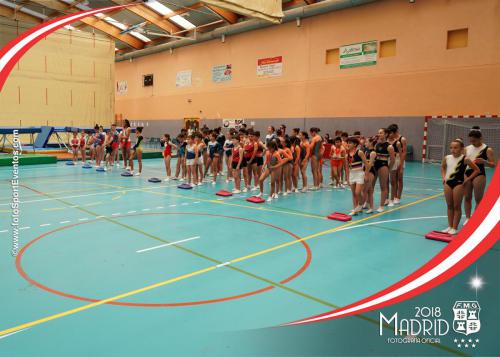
x: 275, y: 195
x: 452, y: 231
x: 386, y: 202
x: 270, y: 199
x: 465, y: 221
x: 227, y: 181
x: 446, y: 230
x: 296, y: 190
x: 286, y: 193
x: 236, y: 191
x: 353, y: 213
x: 245, y: 189
x: 166, y: 179
x: 331, y: 183
x: 358, y: 209
x: 345, y: 183
x: 213, y: 182
x: 118, y: 165
x: 396, y: 201
x: 255, y: 188
x: 365, y: 205
x: 138, y: 174
x: 390, y: 204
x: 304, y: 190
x: 369, y: 211
x: 380, y: 209
x: 200, y: 183
x: 259, y: 195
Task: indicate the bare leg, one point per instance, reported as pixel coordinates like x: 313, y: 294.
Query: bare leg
x: 383, y: 177
x: 468, y: 188
x: 448, y: 195
x: 458, y: 194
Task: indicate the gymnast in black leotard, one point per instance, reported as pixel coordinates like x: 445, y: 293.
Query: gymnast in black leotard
x: 453, y: 169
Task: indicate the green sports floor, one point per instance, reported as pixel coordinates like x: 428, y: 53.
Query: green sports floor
x: 107, y: 259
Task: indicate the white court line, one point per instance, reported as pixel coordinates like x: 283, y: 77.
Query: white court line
x: 131, y: 211
x: 62, y: 222
x: 115, y: 214
x: 184, y: 204
x: 172, y: 206
x: 159, y: 207
x: 85, y: 195
x: 222, y: 265
x: 4, y: 231
x: 146, y: 209
x: 13, y: 333
x: 168, y: 244
x: 22, y: 228
x: 45, y: 225
x: 83, y: 219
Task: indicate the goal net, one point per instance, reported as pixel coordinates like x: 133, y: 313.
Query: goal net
x: 441, y: 131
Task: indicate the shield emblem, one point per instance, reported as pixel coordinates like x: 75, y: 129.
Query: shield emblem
x: 466, y: 317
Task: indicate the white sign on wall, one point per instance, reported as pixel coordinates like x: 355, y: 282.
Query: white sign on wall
x: 121, y: 87
x: 232, y: 123
x: 184, y: 78
x: 270, y: 67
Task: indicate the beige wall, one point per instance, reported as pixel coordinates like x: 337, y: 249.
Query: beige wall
x: 424, y: 78
x: 66, y: 79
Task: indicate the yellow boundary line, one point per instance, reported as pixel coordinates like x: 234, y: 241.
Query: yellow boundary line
x: 202, y: 271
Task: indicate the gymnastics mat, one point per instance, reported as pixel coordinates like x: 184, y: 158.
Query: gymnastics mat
x: 154, y: 180
x: 440, y: 236
x: 224, y: 193
x: 255, y: 199
x: 185, y: 186
x: 70, y: 163
x: 337, y: 216
x: 43, y: 137
x: 127, y: 174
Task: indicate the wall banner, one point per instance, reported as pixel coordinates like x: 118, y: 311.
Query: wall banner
x: 358, y: 55
x: 270, y: 67
x: 183, y: 78
x: 222, y: 73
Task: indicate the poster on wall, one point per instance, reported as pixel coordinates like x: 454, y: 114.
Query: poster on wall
x: 222, y: 73
x: 184, y: 78
x: 232, y: 123
x: 121, y: 87
x: 270, y: 67
x: 358, y: 55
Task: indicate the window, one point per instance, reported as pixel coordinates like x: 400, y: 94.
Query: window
x: 457, y: 39
x: 387, y: 48
x: 332, y: 56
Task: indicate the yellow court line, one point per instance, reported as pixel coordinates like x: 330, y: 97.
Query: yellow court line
x: 205, y: 270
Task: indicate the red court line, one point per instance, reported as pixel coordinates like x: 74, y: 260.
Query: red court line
x: 34, y: 282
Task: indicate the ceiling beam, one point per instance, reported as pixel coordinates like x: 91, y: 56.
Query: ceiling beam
x: 151, y: 16
x: 18, y: 15
x: 185, y: 9
x: 226, y: 15
x: 94, y: 22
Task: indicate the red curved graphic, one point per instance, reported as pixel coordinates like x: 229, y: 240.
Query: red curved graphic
x: 480, y: 233
x: 11, y: 53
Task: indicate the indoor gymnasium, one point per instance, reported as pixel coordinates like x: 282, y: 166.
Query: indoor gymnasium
x: 176, y: 174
